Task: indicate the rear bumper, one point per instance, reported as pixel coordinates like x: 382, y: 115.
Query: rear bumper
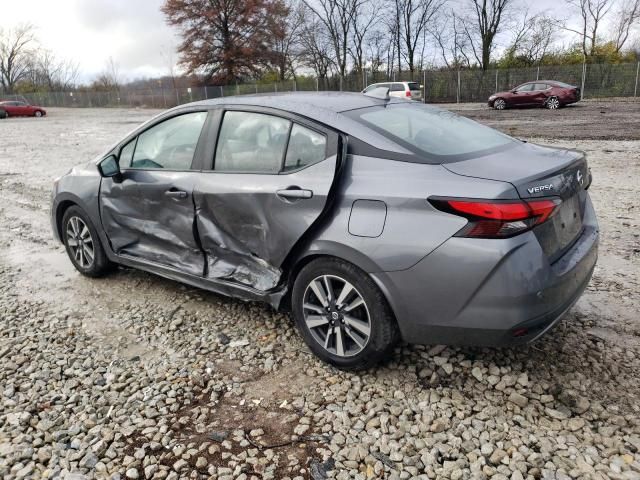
x: 490, y: 292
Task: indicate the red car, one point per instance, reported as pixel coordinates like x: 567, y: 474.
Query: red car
x: 16, y: 108
x: 544, y: 93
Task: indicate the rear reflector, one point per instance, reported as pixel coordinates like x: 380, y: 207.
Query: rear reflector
x: 498, y: 219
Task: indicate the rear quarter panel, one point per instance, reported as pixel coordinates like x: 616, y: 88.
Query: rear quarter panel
x: 412, y: 227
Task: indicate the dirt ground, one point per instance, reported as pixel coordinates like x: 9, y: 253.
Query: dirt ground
x: 134, y: 376
x: 606, y: 119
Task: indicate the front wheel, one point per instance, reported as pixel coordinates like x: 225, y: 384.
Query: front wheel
x: 342, y: 314
x: 83, y: 244
x: 499, y: 104
x: 38, y: 113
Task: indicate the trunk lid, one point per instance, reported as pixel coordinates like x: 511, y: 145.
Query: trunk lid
x: 536, y: 171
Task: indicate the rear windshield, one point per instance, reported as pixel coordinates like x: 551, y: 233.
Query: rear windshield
x: 414, y: 86
x: 431, y: 131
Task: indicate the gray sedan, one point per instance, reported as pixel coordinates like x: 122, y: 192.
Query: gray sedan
x: 369, y: 219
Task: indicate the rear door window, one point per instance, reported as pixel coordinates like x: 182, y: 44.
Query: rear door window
x: 525, y: 88
x: 397, y: 87
x: 306, y: 147
x: 251, y: 142
x: 541, y: 86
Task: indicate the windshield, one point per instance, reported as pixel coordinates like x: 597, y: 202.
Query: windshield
x: 431, y: 131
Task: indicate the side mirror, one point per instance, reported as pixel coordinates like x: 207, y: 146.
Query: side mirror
x: 109, y: 168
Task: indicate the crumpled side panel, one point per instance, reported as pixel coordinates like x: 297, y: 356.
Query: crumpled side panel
x: 228, y: 258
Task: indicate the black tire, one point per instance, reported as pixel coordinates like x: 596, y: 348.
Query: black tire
x: 3, y: 114
x: 37, y: 113
x: 99, y: 264
x: 382, y: 325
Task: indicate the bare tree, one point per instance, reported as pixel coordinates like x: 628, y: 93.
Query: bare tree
x: 452, y: 41
x: 377, y: 49
x: 337, y: 18
x: 55, y: 74
x: 285, y: 43
x: 591, y: 13
x: 485, y: 21
x: 532, y: 38
x: 315, y: 45
x: 109, y: 79
x: 626, y: 18
x: 363, y: 21
x: 390, y: 31
x: 414, y: 18
x: 16, y: 55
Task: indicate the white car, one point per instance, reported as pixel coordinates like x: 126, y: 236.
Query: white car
x: 408, y: 90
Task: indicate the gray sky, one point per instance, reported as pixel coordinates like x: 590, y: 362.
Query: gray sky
x: 132, y: 32
x: 135, y: 35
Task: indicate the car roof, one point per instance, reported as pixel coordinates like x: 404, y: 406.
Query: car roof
x: 553, y: 82
x: 324, y: 107
x: 394, y: 81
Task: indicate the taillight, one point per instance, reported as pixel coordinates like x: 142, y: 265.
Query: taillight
x: 498, y: 218
x: 408, y: 93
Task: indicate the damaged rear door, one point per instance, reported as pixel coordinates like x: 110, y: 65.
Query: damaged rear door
x: 148, y: 213
x: 269, y: 182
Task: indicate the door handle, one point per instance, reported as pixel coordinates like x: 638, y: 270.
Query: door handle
x: 176, y: 193
x: 295, y: 193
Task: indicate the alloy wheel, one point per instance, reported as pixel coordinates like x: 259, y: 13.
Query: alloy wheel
x: 336, y: 315
x: 38, y: 114
x: 80, y: 242
x: 499, y: 104
x: 553, y: 103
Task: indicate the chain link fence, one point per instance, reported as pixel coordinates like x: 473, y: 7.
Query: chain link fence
x: 465, y: 85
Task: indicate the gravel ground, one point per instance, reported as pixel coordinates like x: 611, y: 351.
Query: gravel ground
x: 133, y: 376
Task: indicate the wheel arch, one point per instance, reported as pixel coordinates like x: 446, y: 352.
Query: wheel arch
x: 61, y: 208
x: 63, y: 202
x: 330, y: 249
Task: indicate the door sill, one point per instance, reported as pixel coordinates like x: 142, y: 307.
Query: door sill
x: 224, y: 287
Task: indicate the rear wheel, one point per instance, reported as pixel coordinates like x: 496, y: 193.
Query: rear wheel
x: 83, y: 244
x: 499, y: 104
x: 342, y: 314
x: 552, y: 103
